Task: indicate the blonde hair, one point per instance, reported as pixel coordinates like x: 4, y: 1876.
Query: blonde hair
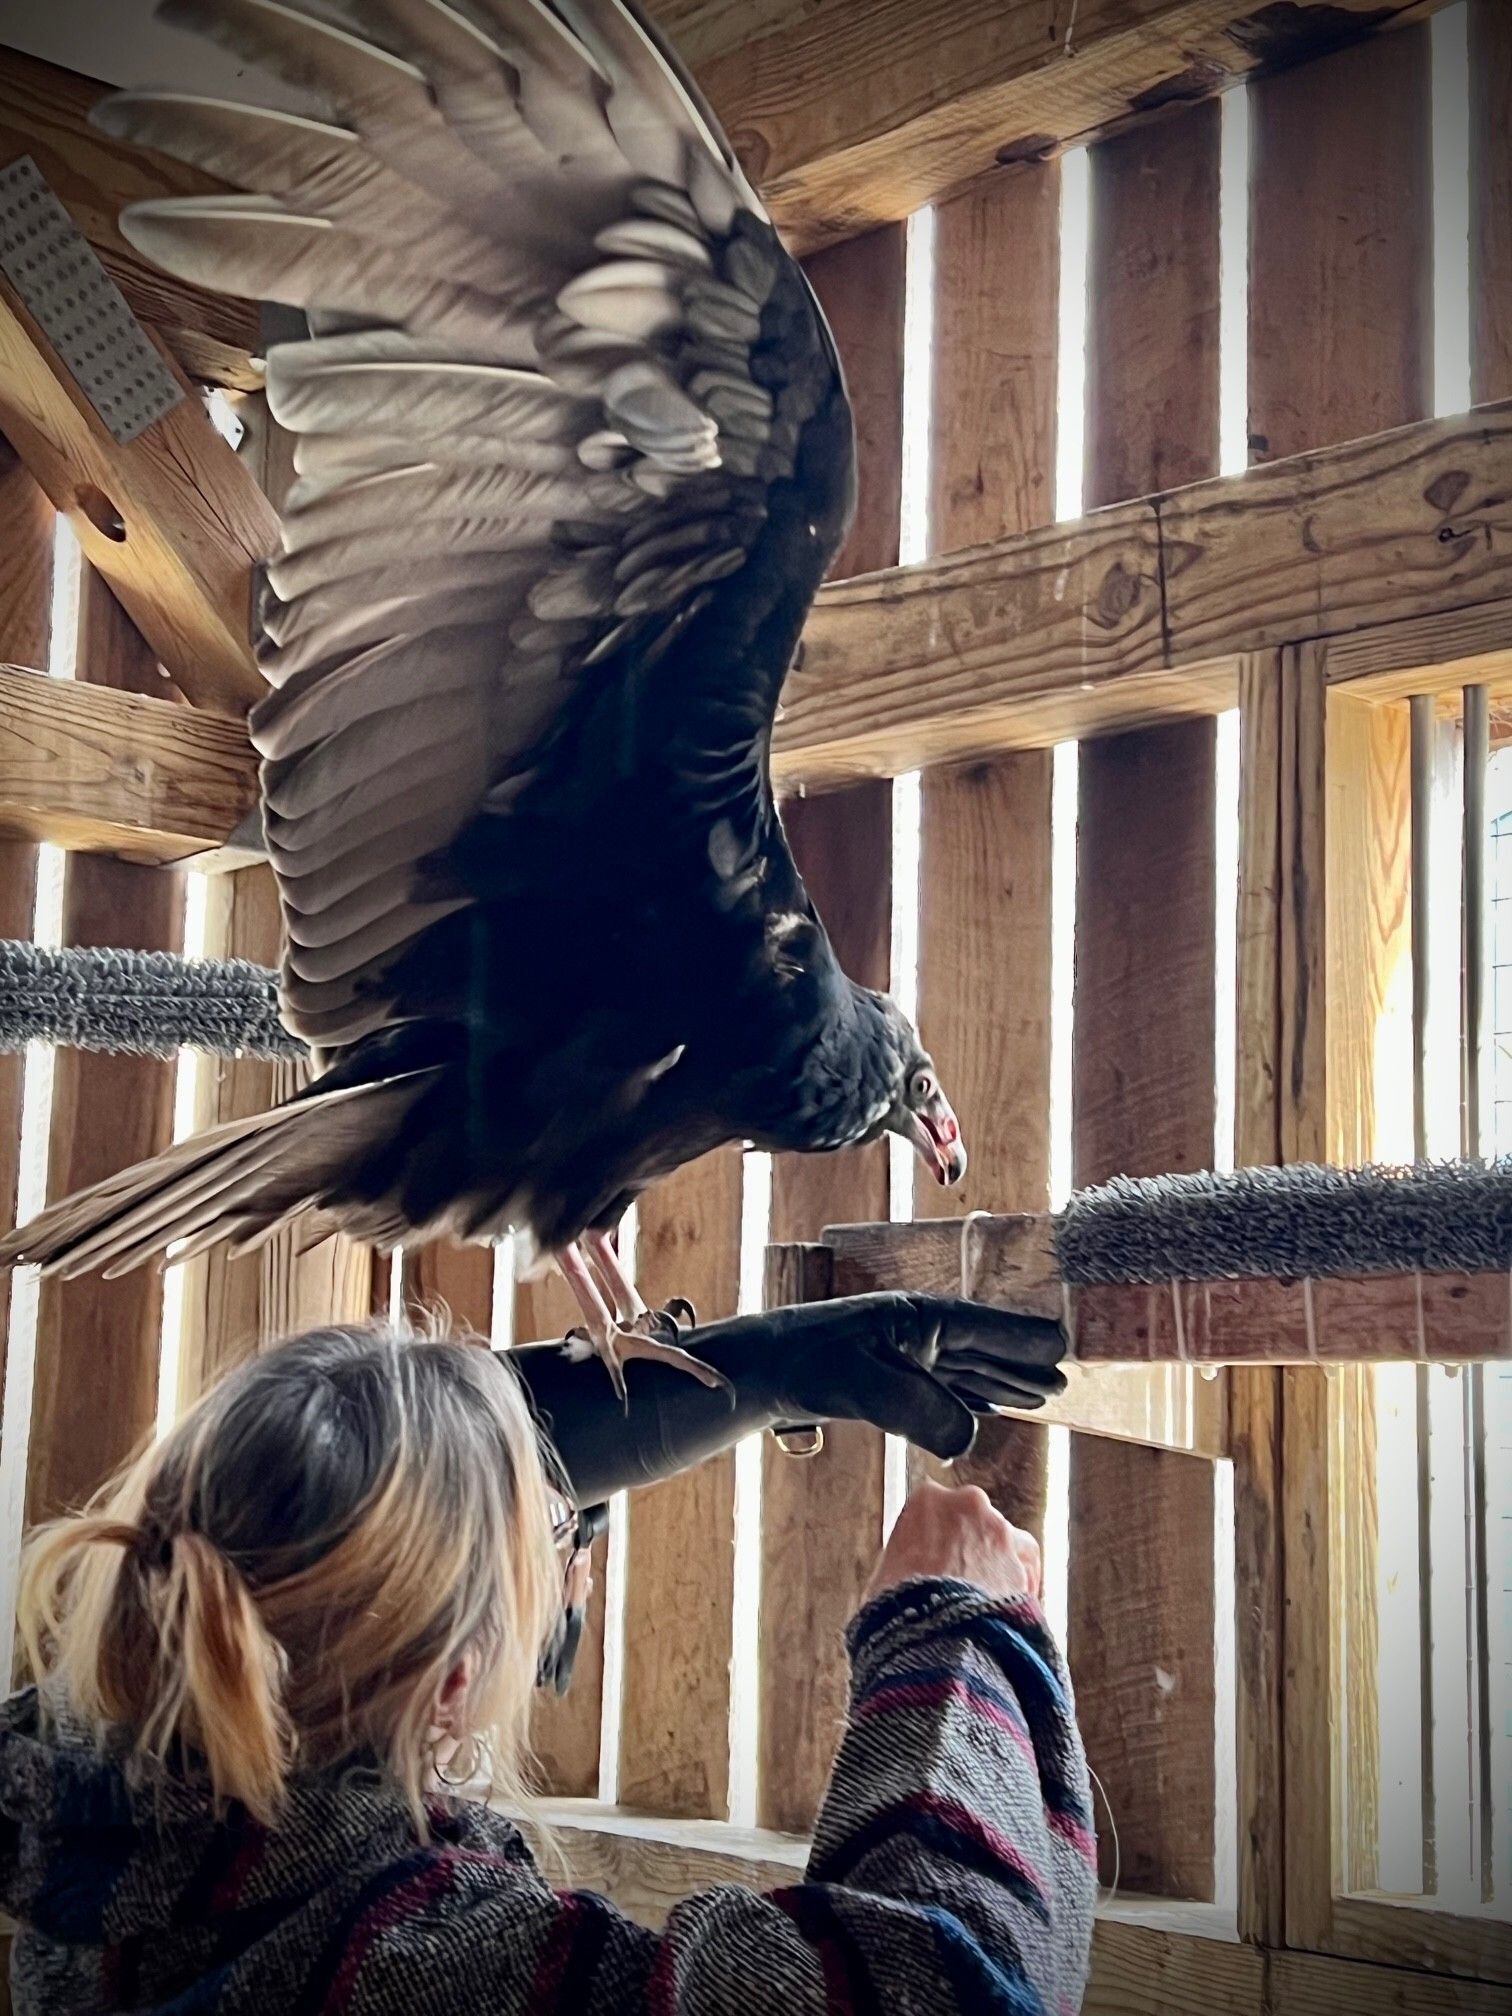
x: 288, y: 1580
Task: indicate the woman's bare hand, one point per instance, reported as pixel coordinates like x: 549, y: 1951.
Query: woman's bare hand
x: 958, y: 1534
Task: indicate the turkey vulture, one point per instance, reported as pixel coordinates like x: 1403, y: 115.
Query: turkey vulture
x: 574, y: 453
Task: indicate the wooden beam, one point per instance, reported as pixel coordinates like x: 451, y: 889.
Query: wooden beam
x: 822, y: 1520
x: 44, y: 113
x: 96, y: 770
x: 1016, y: 645
x: 679, y: 1597
x: 985, y: 830
x: 937, y: 95
x: 1142, y: 1604
x: 172, y: 521
x: 98, y: 1342
x: 1143, y: 611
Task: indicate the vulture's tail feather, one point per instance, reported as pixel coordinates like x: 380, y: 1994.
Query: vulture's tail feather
x: 236, y: 1182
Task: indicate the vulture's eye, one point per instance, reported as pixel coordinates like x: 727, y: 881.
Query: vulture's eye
x: 921, y: 1087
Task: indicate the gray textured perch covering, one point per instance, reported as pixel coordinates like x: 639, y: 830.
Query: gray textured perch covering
x: 1290, y: 1224
x: 151, y: 1004
x: 1285, y: 1224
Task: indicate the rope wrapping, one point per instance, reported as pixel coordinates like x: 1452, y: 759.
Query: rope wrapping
x: 148, y: 1004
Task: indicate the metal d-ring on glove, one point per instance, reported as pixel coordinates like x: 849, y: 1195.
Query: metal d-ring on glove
x: 920, y: 1366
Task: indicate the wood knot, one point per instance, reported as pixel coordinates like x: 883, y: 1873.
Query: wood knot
x: 1445, y: 491
x: 1118, y: 596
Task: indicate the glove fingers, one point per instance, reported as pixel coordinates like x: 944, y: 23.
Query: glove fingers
x: 990, y: 1395
x: 905, y: 1400
x: 1018, y: 1385
x: 999, y: 1333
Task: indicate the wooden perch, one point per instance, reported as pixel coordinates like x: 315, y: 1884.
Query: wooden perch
x: 172, y: 521
x: 1344, y: 1320
x: 44, y: 113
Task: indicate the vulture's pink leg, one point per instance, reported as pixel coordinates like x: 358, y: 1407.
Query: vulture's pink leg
x: 628, y: 1305
x: 611, y: 1340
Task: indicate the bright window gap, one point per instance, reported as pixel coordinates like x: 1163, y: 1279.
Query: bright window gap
x: 1063, y: 790
x: 1233, y: 283
x: 1071, y: 334
x: 755, y: 1232
x: 63, y: 635
x: 918, y: 386
x: 616, y: 1564
x: 31, y: 1195
x: 1225, y: 934
x: 1449, y: 44
x: 1057, y: 1542
x: 1226, y: 1818
x: 186, y: 1084
x: 501, y: 1316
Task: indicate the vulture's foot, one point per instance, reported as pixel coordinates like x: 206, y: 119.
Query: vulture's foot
x: 627, y: 1329
x: 618, y: 1345
x: 680, y: 1313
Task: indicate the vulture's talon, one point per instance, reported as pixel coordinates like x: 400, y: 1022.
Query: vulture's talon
x: 618, y: 1346
x: 681, y: 1312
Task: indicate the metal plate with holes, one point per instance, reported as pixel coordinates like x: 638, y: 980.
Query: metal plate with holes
x: 82, y: 312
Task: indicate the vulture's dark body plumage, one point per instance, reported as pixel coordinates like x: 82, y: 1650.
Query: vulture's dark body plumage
x: 574, y: 454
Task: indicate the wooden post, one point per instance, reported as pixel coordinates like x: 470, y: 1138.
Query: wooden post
x: 679, y: 1595
x: 99, y: 1342
x: 454, y: 1282
x: 821, y: 1520
x: 1340, y: 345
x: 26, y: 565
x: 1142, y: 1611
x: 984, y: 882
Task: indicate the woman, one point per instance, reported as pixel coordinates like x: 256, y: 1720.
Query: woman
x: 275, y: 1648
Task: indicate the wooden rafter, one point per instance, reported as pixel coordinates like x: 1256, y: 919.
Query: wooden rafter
x: 44, y: 113
x: 172, y: 521
x: 938, y: 94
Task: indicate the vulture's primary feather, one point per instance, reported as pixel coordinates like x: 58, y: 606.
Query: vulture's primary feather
x: 574, y: 454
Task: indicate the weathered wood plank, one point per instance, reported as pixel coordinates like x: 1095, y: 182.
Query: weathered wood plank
x: 937, y: 94
x: 821, y: 1519
x: 1139, y: 612
x: 26, y: 565
x: 44, y: 113
x: 172, y: 521
x: 679, y: 1597
x: 985, y: 840
x: 453, y: 1282
x: 1142, y: 1622
x: 1341, y: 291
x: 110, y: 772
x: 1340, y: 343
x: 98, y: 1342
x: 225, y: 1309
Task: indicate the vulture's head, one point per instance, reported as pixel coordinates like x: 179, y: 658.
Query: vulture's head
x: 920, y: 1112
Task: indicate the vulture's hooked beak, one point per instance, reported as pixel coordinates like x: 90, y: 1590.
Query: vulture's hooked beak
x: 936, y: 1134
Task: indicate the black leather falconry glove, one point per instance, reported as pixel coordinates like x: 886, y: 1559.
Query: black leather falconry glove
x: 920, y: 1366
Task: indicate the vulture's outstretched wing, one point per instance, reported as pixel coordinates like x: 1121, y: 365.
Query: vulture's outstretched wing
x: 561, y: 374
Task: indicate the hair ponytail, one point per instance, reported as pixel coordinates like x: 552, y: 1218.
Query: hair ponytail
x: 160, y: 1634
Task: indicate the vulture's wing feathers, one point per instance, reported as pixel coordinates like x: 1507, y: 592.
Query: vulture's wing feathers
x: 561, y: 384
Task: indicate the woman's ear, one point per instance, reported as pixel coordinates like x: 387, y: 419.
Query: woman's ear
x: 449, y: 1714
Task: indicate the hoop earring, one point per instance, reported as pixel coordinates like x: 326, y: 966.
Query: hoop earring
x: 457, y: 1781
